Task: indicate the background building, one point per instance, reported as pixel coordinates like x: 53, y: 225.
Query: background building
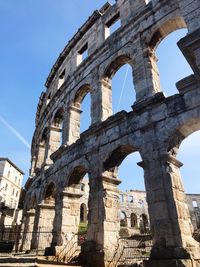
x: 134, y: 216
x: 10, y: 188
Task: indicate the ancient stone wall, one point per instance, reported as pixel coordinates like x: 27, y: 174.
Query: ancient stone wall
x: 155, y: 127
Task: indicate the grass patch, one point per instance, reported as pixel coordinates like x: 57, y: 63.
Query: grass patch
x: 82, y: 229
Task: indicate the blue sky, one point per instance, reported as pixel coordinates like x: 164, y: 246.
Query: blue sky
x: 33, y: 33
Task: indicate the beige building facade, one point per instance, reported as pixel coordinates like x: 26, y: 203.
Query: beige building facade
x: 10, y: 188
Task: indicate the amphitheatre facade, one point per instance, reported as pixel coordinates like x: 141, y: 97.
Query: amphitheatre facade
x: 155, y: 128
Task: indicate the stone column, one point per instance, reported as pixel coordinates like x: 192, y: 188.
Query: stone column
x: 43, y: 226
x: 66, y: 223
x: 26, y: 231
x: 101, y: 98
x: 171, y: 227
x: 72, y: 125
x: 33, y: 162
x: 145, y: 72
x: 106, y: 99
x: 54, y: 142
x: 103, y: 221
x: 70, y: 215
x: 41, y: 155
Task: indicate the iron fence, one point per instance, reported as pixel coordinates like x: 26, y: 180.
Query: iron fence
x: 132, y: 250
x: 15, y: 241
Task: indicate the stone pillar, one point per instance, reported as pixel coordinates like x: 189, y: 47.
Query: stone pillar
x: 66, y: 223
x: 146, y: 75
x: 105, y: 99
x: 70, y: 214
x: 41, y: 155
x: 43, y: 226
x: 169, y: 215
x: 26, y: 231
x: 103, y: 221
x: 72, y: 125
x: 54, y: 142
x: 33, y: 162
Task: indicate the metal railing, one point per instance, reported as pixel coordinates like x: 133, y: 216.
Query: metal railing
x: 70, y: 250
x: 132, y: 250
x: 15, y: 241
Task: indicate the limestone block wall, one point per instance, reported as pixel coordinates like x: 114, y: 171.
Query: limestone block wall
x: 155, y: 128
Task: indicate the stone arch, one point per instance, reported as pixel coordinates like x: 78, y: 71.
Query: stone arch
x: 76, y: 176
x: 156, y: 36
x: 80, y: 94
x: 50, y: 194
x: 74, y: 117
x: 33, y: 202
x: 165, y: 29
x: 117, y: 156
x: 42, y: 147
x: 106, y: 76
x: 123, y: 219
x: 115, y: 65
x: 58, y: 117
x: 179, y: 133
x: 144, y: 224
x: 56, y: 130
x: 134, y: 220
x: 83, y: 212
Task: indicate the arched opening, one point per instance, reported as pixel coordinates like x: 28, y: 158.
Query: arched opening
x: 117, y: 83
x: 57, y: 130
x: 49, y: 197
x: 184, y: 145
x: 189, y: 155
x: 123, y: 219
x: 80, y: 113
x: 83, y: 213
x: 134, y: 220
x: 85, y: 120
x: 76, y: 195
x: 172, y: 65
x: 120, y: 165
x: 41, y: 159
x: 48, y: 98
x: 122, y: 86
x: 144, y: 224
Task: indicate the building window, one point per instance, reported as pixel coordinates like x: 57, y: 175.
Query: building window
x: 194, y: 203
x: 6, y: 187
x: 112, y: 25
x: 121, y: 198
x: 82, y: 54
x: 17, y: 192
x: 82, y: 187
x: 13, y: 191
x: 141, y: 202
x: 15, y: 179
x: 8, y: 174
x: 61, y: 79
x: 19, y: 182
x: 130, y: 199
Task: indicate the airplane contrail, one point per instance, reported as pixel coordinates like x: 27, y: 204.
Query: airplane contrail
x: 15, y: 132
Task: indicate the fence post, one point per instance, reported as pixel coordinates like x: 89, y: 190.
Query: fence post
x: 38, y: 240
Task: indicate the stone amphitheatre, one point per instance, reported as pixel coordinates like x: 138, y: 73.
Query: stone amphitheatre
x: 155, y: 128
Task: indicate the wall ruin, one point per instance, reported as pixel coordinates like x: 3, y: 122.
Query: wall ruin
x: 155, y: 127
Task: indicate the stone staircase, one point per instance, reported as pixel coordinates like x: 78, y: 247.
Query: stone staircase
x: 18, y: 261
x: 27, y: 261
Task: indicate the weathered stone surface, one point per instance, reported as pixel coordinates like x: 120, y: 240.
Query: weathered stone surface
x: 156, y: 127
